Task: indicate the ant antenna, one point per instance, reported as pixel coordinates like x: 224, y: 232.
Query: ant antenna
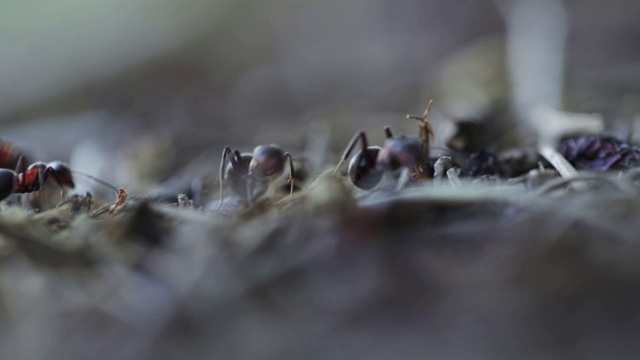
x: 99, y: 181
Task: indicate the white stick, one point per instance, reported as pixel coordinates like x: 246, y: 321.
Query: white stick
x: 453, y: 178
x: 558, y: 161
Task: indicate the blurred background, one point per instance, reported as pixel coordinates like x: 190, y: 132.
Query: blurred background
x: 132, y: 91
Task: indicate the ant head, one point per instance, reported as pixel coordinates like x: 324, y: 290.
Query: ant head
x: 268, y: 161
x: 399, y: 152
x: 362, y: 168
x: 7, y: 183
x: 61, y: 174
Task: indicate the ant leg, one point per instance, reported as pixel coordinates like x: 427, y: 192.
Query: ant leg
x: 291, y: 171
x: 20, y: 168
x: 40, y: 178
x: 250, y: 187
x: 387, y: 132
x: 360, y: 135
x: 223, y: 162
x: 43, y: 176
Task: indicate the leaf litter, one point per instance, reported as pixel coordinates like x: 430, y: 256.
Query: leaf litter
x: 537, y: 256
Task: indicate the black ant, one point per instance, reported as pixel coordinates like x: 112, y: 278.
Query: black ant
x: 248, y: 172
x: 367, y: 167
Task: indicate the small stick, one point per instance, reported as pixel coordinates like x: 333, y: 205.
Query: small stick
x: 559, y: 162
x: 120, y: 201
x: 453, y: 178
x: 404, y: 178
x: 426, y: 130
x: 425, y: 134
x: 562, y: 165
x: 291, y: 172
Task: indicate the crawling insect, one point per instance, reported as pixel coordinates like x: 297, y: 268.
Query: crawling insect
x: 367, y: 167
x: 249, y: 175
x: 30, y: 179
x: 33, y: 177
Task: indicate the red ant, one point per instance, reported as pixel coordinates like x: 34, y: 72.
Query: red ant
x: 248, y: 172
x: 30, y: 179
x: 33, y: 178
x: 367, y: 167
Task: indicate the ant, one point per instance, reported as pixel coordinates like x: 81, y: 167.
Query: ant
x: 32, y: 178
x: 248, y: 172
x: 367, y: 167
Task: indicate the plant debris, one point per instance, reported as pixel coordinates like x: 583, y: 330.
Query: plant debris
x: 599, y: 152
x: 481, y: 231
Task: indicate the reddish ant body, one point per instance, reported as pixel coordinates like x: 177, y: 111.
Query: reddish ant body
x: 367, y: 167
x: 30, y: 179
x: 247, y: 173
x: 33, y: 177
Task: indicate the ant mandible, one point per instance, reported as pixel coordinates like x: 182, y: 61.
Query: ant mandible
x: 367, y: 167
x: 33, y: 177
x: 248, y: 172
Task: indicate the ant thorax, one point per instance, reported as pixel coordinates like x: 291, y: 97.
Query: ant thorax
x: 399, y: 153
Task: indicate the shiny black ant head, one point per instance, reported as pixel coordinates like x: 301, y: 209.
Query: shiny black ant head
x: 268, y: 162
x: 61, y: 174
x: 362, y: 168
x: 398, y: 153
x: 7, y: 183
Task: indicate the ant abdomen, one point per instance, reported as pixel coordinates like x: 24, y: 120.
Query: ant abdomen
x: 399, y: 153
x: 7, y: 183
